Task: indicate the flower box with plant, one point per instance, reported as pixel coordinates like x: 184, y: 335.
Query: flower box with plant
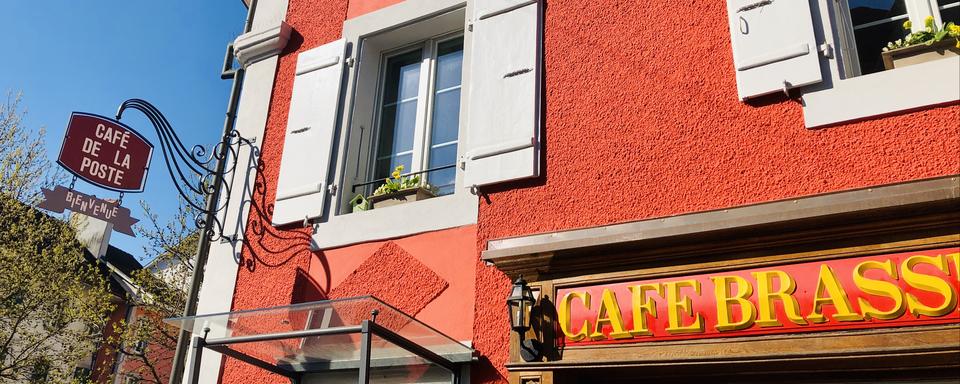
x: 931, y: 43
x: 398, y: 189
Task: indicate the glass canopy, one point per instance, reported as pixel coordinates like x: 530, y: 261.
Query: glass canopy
x: 363, y: 334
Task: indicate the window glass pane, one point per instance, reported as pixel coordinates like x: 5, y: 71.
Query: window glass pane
x: 398, y: 114
x: 406, y: 120
x: 446, y: 116
x: 870, y: 43
x: 385, y: 166
x: 865, y: 11
x: 443, y: 179
x: 449, y: 63
x: 409, y: 81
x: 950, y: 11
x: 396, y: 128
x: 402, y: 76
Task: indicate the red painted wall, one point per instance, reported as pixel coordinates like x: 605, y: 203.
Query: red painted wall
x: 101, y: 371
x: 444, y: 256
x: 642, y: 120
x: 159, y: 352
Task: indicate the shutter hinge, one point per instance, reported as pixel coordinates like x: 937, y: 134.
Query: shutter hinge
x: 463, y: 164
x: 332, y: 189
x: 349, y: 62
x: 470, y: 27
x: 826, y: 50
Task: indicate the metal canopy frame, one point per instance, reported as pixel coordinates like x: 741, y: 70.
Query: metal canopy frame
x: 367, y: 329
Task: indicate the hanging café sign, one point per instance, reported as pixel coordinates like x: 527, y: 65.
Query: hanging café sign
x: 105, y: 153
x: 876, y: 291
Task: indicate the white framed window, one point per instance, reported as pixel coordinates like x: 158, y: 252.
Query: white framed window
x: 418, y: 117
x: 405, y: 109
x: 829, y: 52
x: 449, y: 89
x: 867, y: 26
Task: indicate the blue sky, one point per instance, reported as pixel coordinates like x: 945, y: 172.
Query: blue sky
x: 68, y: 55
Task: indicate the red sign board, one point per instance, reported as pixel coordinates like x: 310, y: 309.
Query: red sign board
x: 901, y: 289
x: 106, y: 153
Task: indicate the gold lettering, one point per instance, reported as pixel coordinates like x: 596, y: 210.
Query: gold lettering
x: 766, y: 308
x: 878, y: 288
x: 956, y: 264
x: 609, y: 313
x: 642, y: 307
x: 725, y: 299
x: 563, y: 315
x: 679, y: 304
x: 836, y: 297
x: 930, y: 284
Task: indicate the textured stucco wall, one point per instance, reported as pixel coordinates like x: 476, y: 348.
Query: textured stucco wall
x: 429, y: 275
x: 271, y: 259
x: 642, y: 120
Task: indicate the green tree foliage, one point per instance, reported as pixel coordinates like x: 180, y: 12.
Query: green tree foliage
x: 54, y: 302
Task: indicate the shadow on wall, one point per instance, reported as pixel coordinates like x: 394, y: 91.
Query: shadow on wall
x: 544, y: 324
x: 268, y: 246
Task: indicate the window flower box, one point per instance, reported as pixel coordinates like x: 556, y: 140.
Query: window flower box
x: 400, y: 197
x: 397, y: 189
x: 920, y: 53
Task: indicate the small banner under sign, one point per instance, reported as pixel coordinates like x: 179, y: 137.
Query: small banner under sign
x: 60, y: 198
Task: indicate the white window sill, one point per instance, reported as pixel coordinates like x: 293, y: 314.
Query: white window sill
x: 902, y: 89
x: 434, y: 214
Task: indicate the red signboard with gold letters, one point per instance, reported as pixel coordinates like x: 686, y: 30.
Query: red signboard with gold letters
x: 105, y: 152
x: 911, y: 288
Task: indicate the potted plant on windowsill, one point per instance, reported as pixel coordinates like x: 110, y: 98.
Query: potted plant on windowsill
x: 399, y: 189
x: 931, y: 43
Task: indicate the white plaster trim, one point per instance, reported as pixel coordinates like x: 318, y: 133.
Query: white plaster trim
x: 434, y: 214
x: 838, y: 100
x: 902, y: 89
x: 254, y: 46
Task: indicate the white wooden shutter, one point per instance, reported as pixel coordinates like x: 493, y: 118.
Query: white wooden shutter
x: 503, y: 115
x: 774, y: 48
x: 307, y: 147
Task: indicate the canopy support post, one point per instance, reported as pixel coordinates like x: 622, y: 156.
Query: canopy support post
x: 365, y: 353
x: 195, y: 359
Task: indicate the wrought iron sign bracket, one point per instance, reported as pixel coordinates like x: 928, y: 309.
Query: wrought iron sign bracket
x: 195, y: 173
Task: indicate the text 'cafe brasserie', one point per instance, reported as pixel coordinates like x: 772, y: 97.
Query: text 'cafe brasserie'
x: 865, y: 292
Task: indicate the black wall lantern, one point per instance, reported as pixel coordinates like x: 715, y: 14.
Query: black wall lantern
x: 519, y: 304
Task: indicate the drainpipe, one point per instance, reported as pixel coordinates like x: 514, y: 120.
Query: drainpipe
x: 203, y: 246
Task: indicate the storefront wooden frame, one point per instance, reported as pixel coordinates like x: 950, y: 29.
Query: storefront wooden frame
x: 883, y: 220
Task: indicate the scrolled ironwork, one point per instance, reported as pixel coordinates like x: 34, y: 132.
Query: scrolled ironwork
x: 191, y: 170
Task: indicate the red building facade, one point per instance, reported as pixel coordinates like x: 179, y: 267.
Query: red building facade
x: 648, y: 164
